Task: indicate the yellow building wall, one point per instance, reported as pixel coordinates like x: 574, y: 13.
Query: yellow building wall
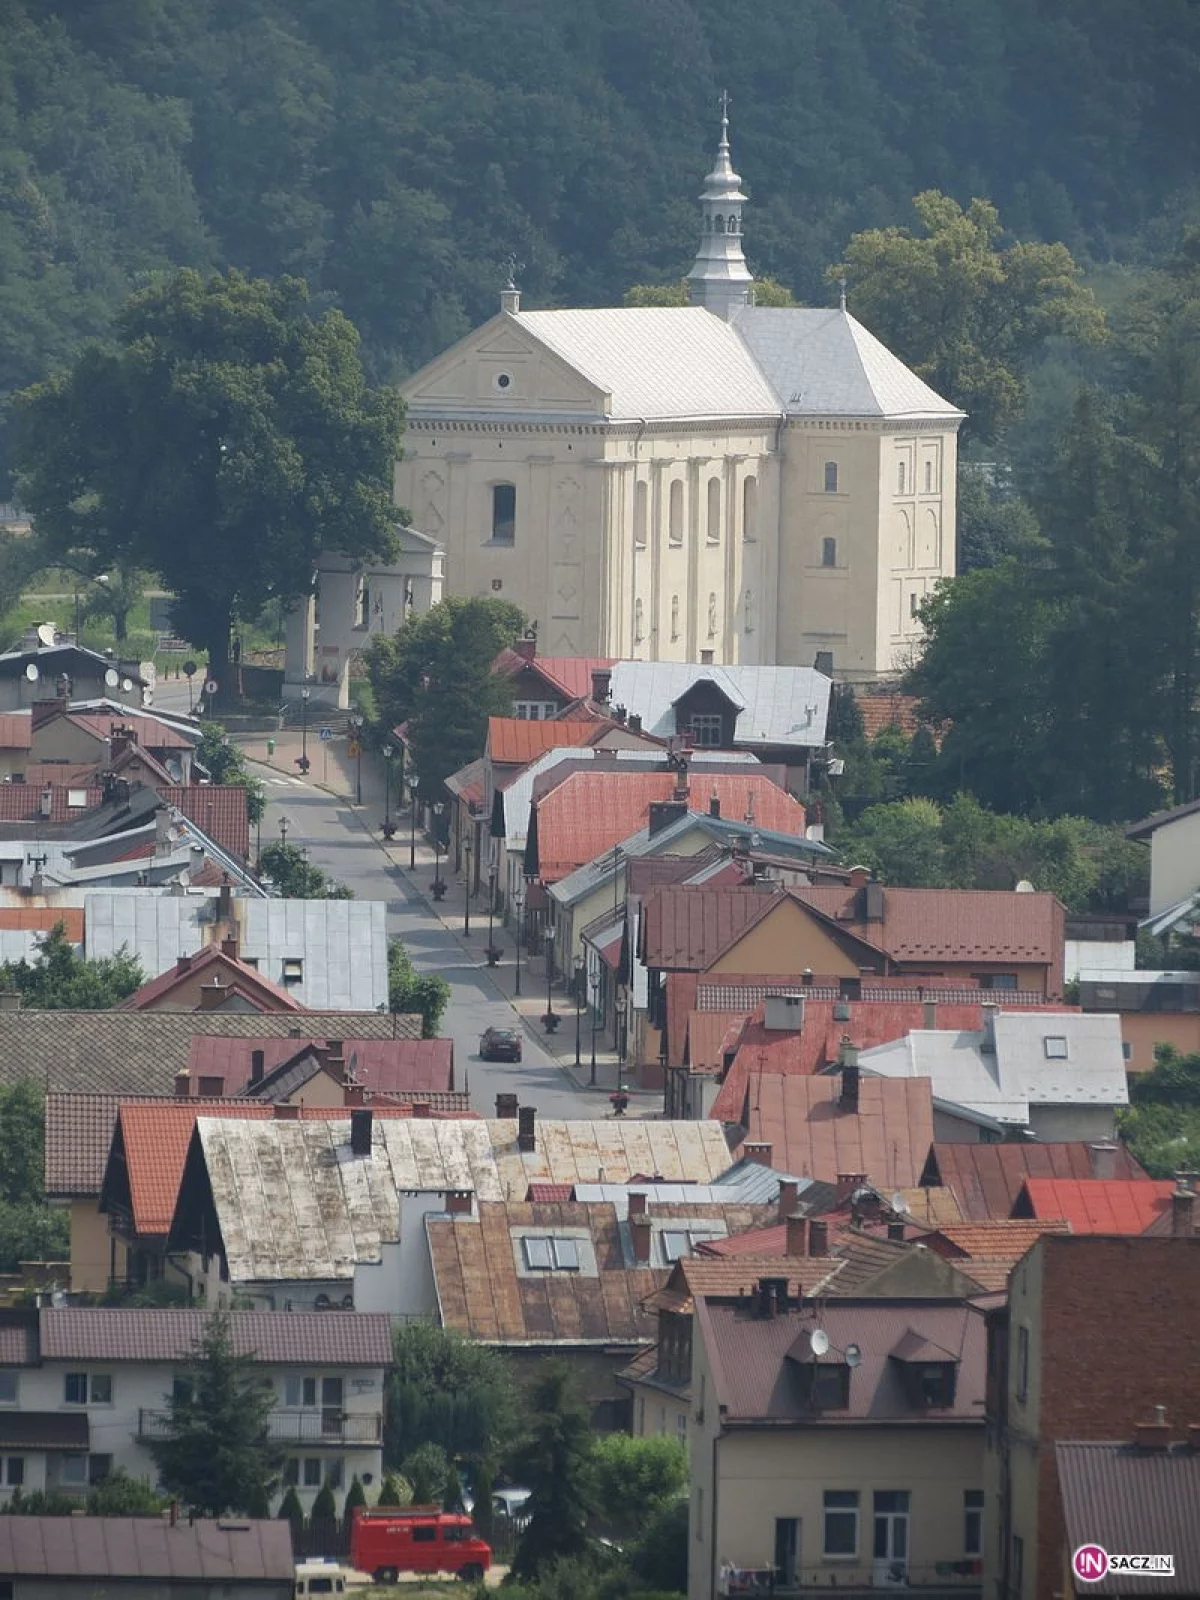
x: 96, y: 1256
x: 785, y: 943
x: 1142, y: 1030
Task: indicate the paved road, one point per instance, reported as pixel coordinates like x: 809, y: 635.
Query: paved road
x: 339, y: 846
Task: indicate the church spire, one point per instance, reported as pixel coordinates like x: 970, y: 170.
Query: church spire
x: 720, y: 278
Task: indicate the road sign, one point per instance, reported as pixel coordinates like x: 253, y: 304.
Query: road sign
x: 211, y: 686
x: 353, y: 748
x: 325, y: 734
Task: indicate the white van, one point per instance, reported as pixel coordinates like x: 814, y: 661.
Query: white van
x: 321, y: 1577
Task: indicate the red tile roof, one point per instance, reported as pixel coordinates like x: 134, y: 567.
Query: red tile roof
x: 589, y: 812
x: 210, y: 963
x: 960, y: 925
x: 887, y: 1139
x: 571, y: 675
x: 987, y: 1178
x: 43, y: 918
x: 513, y: 741
x: 22, y: 802
x: 217, y: 808
x: 684, y: 927
x: 16, y: 730
x: 1096, y: 1205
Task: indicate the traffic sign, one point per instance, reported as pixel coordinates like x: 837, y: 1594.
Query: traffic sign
x: 353, y: 748
x: 325, y: 734
x: 211, y: 686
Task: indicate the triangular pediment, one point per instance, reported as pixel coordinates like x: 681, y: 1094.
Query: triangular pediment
x: 501, y: 368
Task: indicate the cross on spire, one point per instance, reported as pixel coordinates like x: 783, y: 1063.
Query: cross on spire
x: 724, y: 105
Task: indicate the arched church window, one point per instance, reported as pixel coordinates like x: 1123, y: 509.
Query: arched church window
x: 718, y: 224
x: 831, y: 477
x: 732, y: 225
x: 713, y: 521
x: 675, y: 514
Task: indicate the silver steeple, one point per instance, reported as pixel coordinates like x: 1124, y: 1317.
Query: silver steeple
x: 720, y: 278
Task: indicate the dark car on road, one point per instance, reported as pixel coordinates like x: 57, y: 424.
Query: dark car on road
x: 500, y: 1044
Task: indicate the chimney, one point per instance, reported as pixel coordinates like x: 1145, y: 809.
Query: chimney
x: 847, y: 1183
x: 506, y: 1107
x: 601, y: 684
x: 714, y: 803
x: 783, y: 1013
x: 527, y: 1128
x: 224, y: 903
x: 212, y: 995
x: 183, y: 1084
x: 229, y: 946
x: 1102, y: 1159
x: 848, y: 1098
x: 284, y: 1111
x: 789, y: 1191
x: 459, y: 1202
x: 859, y: 877
x: 422, y: 1108
x: 757, y: 1150
x: 664, y: 812
x: 354, y: 1094
x: 772, y: 1296
x: 680, y: 792
x: 873, y: 902
x: 640, y: 1234
x: 46, y: 802
x: 818, y: 1237
x: 930, y: 1017
x: 162, y: 832
x: 334, y: 1059
x: 797, y: 1234
x: 183, y: 964
x: 896, y: 1232
x: 1154, y: 1435
x: 211, y: 1087
x: 10, y: 999
x: 1183, y: 1214
x: 990, y: 1008
x: 258, y: 1060
x: 637, y: 1203
x: 526, y: 648
x: 361, y: 1124
x: 635, y: 722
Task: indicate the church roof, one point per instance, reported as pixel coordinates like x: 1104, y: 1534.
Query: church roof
x: 823, y: 363
x: 657, y: 362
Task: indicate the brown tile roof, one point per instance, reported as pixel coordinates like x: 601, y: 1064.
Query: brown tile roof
x: 1132, y: 1500
x: 212, y: 963
x: 18, y: 1340
x: 481, y: 1292
x: 110, y: 1333
x: 403, y: 1067
x: 219, y: 809
x: 22, y: 802
x: 151, y: 733
x: 991, y: 1273
x: 589, y: 812
x: 79, y: 1130
x: 756, y: 1361
x: 686, y: 926
x: 139, y: 1052
x: 726, y: 1277
x: 42, y: 919
x: 998, y: 1239
x: 513, y: 741
x: 887, y: 1139
x: 142, y: 1549
x: 987, y: 1178
x: 952, y: 924
x: 16, y: 730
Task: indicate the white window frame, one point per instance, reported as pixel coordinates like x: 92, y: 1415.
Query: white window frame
x: 1056, y: 1047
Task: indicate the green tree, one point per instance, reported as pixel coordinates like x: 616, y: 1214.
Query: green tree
x: 226, y: 764
x: 901, y: 843
x: 1162, y: 1122
x: 658, y: 294
x: 394, y: 1490
x: 62, y: 980
x: 295, y: 878
x: 119, y: 1495
x: 290, y: 1509
x: 226, y: 441
x: 116, y: 597
x: 217, y: 1455
x: 966, y: 312
x: 448, y: 1392
x: 324, y: 1506
x: 660, y: 1556
x: 413, y: 993
x: 30, y: 1230
x: 993, y: 521
x: 427, y: 1469
x: 356, y: 1496
x: 555, y: 1461
x: 634, y: 1476
x: 436, y: 674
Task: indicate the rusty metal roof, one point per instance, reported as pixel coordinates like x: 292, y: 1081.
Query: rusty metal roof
x: 1134, y: 1502
x: 275, y: 1338
x: 148, y: 1548
x: 987, y: 1178
x: 686, y: 926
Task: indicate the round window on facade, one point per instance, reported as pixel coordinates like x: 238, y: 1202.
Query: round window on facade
x: 502, y: 381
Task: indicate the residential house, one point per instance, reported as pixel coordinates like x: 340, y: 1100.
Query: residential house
x: 985, y: 1179
x: 329, y: 1072
x: 835, y: 1442
x: 1174, y: 840
x: 1061, y: 1075
x: 1097, y: 1332
x: 84, y: 732
x: 63, y: 668
x: 1155, y: 1008
x: 1097, y: 1205
x: 16, y: 735
x: 214, y: 979
x: 82, y: 1558
x: 89, y: 1393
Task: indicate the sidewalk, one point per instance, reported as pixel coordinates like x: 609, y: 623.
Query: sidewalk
x: 334, y: 772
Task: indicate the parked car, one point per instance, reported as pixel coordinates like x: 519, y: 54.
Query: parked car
x: 320, y: 1577
x: 500, y: 1044
x: 388, y: 1540
x: 511, y: 1506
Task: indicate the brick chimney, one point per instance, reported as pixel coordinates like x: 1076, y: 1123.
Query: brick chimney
x: 229, y: 946
x: 1154, y: 1435
x: 797, y: 1234
x: 527, y: 1129
x: 1102, y: 1159
x: 526, y: 648
x: 818, y: 1237
x: 895, y: 1232
x: 637, y: 1203
x: 635, y: 722
x: 789, y: 1191
x: 601, y: 684
x: 183, y: 1084
x: 354, y: 1094
x: 459, y: 1202
x: 506, y: 1107
x: 847, y: 1183
x: 258, y: 1060
x: 361, y: 1127
x: 859, y: 877
x: 1183, y: 1213
x: 334, y: 1059
x: 183, y: 964
x: 640, y: 1233
x: 758, y: 1150
x: 848, y: 1095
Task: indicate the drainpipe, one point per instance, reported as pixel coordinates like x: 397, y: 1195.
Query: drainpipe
x: 712, y: 1512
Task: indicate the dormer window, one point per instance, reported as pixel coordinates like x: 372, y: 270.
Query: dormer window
x: 826, y: 1385
x: 927, y: 1372
x: 935, y: 1385
x: 1055, y: 1046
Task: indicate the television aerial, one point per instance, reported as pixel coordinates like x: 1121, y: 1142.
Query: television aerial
x: 46, y: 633
x: 897, y: 1202
x: 853, y: 1355
x: 818, y: 1341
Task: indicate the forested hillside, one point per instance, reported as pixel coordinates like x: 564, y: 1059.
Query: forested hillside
x: 394, y: 154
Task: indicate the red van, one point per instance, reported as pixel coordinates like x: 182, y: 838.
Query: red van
x: 388, y: 1540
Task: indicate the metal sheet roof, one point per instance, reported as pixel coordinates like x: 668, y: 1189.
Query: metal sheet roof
x: 145, y: 1549
x: 785, y: 706
x: 1134, y: 1502
x: 987, y: 1178
x: 887, y: 1138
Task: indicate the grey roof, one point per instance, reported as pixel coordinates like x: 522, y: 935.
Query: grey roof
x: 824, y: 363
x: 139, y: 1052
x: 143, y: 1549
x: 778, y: 705
x: 753, y: 1184
x: 1134, y: 1502
x: 658, y: 362
x: 341, y: 943
x: 296, y: 1338
x: 1021, y: 1073
x: 294, y: 1203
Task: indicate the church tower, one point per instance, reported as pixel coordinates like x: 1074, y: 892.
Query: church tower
x: 720, y: 278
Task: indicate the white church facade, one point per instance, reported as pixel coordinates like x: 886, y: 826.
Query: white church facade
x: 720, y: 481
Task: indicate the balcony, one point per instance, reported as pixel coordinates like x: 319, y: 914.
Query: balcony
x: 324, y: 1427
x: 939, y: 1580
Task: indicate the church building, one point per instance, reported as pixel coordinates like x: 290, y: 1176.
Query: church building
x: 716, y: 482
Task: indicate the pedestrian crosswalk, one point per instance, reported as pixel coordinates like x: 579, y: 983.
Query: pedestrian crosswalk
x: 288, y: 783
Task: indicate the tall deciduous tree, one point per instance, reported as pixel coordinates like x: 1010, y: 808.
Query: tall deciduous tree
x: 967, y: 312
x: 227, y: 440
x: 62, y: 980
x: 217, y: 1455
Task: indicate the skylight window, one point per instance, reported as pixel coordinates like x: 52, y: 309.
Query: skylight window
x: 551, y: 1254
x: 1055, y: 1046
x: 677, y: 1242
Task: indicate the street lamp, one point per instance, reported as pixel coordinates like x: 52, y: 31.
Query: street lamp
x: 550, y: 1019
x: 388, y: 829
x: 303, y: 763
x: 595, y: 1019
x: 519, y: 909
x: 438, y: 809
x: 284, y: 825
x: 356, y: 722
x: 414, y: 783
x: 467, y: 890
x: 493, y: 955
x: 578, y: 1003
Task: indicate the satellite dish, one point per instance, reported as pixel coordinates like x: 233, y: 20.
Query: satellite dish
x: 46, y: 634
x: 32, y: 673
x: 818, y: 1341
x: 112, y: 678
x: 897, y: 1202
x: 1024, y: 887
x: 853, y: 1355
x: 126, y: 683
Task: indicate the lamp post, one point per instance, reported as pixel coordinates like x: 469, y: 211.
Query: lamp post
x: 414, y: 784
x: 438, y: 809
x: 519, y: 909
x: 467, y: 890
x: 595, y: 1017
x: 303, y: 762
x: 356, y: 723
x: 550, y: 1019
x: 578, y: 1004
x: 493, y: 955
x: 284, y: 825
